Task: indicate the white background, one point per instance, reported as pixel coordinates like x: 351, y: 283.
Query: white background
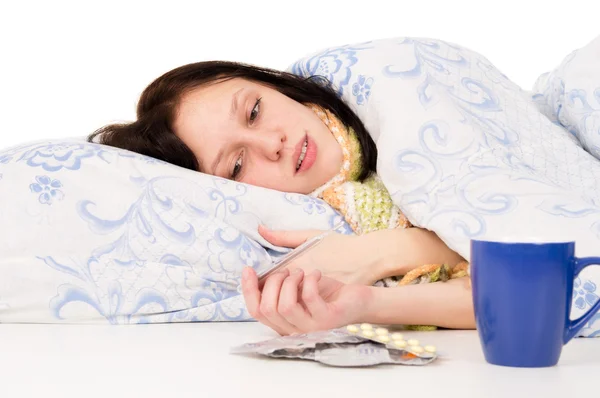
x: 67, y: 68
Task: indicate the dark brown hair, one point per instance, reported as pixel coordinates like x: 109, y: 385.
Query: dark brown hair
x: 152, y: 133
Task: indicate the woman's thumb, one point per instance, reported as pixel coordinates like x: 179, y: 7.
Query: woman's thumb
x: 287, y: 238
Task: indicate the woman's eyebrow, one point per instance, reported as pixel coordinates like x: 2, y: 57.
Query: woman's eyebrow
x: 235, y: 103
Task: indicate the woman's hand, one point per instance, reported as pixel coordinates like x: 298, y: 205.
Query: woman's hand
x: 366, y: 258
x: 294, y: 303
x: 347, y: 258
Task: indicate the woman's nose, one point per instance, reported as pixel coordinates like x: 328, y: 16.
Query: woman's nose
x: 271, y: 144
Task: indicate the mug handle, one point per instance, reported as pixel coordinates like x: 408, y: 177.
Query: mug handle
x: 573, y: 326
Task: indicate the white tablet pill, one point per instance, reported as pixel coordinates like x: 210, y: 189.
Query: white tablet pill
x: 383, y: 339
x: 417, y: 349
x: 397, y: 336
x: 368, y: 333
x: 381, y: 332
x: 413, y: 342
x: 400, y: 343
x: 430, y: 348
x: 366, y: 326
x: 352, y: 328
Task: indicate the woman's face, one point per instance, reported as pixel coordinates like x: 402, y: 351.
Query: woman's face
x: 250, y: 133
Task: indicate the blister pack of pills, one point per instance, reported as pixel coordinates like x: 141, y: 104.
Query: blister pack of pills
x: 350, y: 346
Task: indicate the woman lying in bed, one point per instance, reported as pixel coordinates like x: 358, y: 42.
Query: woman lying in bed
x: 280, y: 131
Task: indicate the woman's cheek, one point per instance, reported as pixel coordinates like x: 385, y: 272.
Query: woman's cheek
x: 265, y: 180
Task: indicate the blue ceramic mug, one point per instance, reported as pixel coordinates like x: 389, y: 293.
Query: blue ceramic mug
x: 522, y: 295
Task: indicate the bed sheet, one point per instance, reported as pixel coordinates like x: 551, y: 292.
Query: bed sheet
x: 188, y: 360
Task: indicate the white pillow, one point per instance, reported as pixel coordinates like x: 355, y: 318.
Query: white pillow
x: 92, y: 233
x: 570, y: 95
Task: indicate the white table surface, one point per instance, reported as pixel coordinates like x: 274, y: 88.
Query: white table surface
x: 193, y: 360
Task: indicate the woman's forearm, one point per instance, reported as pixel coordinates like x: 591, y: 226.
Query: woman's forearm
x: 445, y: 304
x: 401, y: 250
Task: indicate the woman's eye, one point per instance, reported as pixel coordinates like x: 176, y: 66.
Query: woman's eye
x: 237, y: 168
x: 255, y: 111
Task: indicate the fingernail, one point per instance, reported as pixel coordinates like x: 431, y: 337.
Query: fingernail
x: 297, y: 270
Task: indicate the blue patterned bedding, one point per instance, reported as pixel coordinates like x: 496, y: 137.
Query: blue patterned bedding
x: 93, y: 234
x: 468, y: 154
x: 97, y: 234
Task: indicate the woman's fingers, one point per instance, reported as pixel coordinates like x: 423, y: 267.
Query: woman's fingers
x: 270, y: 301
x: 288, y: 302
x: 317, y: 307
x: 251, y: 292
x: 289, y: 306
x: 287, y: 238
x: 252, y: 297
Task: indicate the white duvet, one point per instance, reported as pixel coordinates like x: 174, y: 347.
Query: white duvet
x: 468, y: 154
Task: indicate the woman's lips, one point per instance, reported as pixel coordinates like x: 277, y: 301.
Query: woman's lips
x: 310, y: 157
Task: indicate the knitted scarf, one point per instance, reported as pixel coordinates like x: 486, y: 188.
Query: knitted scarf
x: 367, y: 206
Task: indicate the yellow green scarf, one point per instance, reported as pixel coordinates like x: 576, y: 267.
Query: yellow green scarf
x: 366, y: 206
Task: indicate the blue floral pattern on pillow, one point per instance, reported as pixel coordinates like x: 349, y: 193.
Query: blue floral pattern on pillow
x: 47, y: 188
x: 135, y: 240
